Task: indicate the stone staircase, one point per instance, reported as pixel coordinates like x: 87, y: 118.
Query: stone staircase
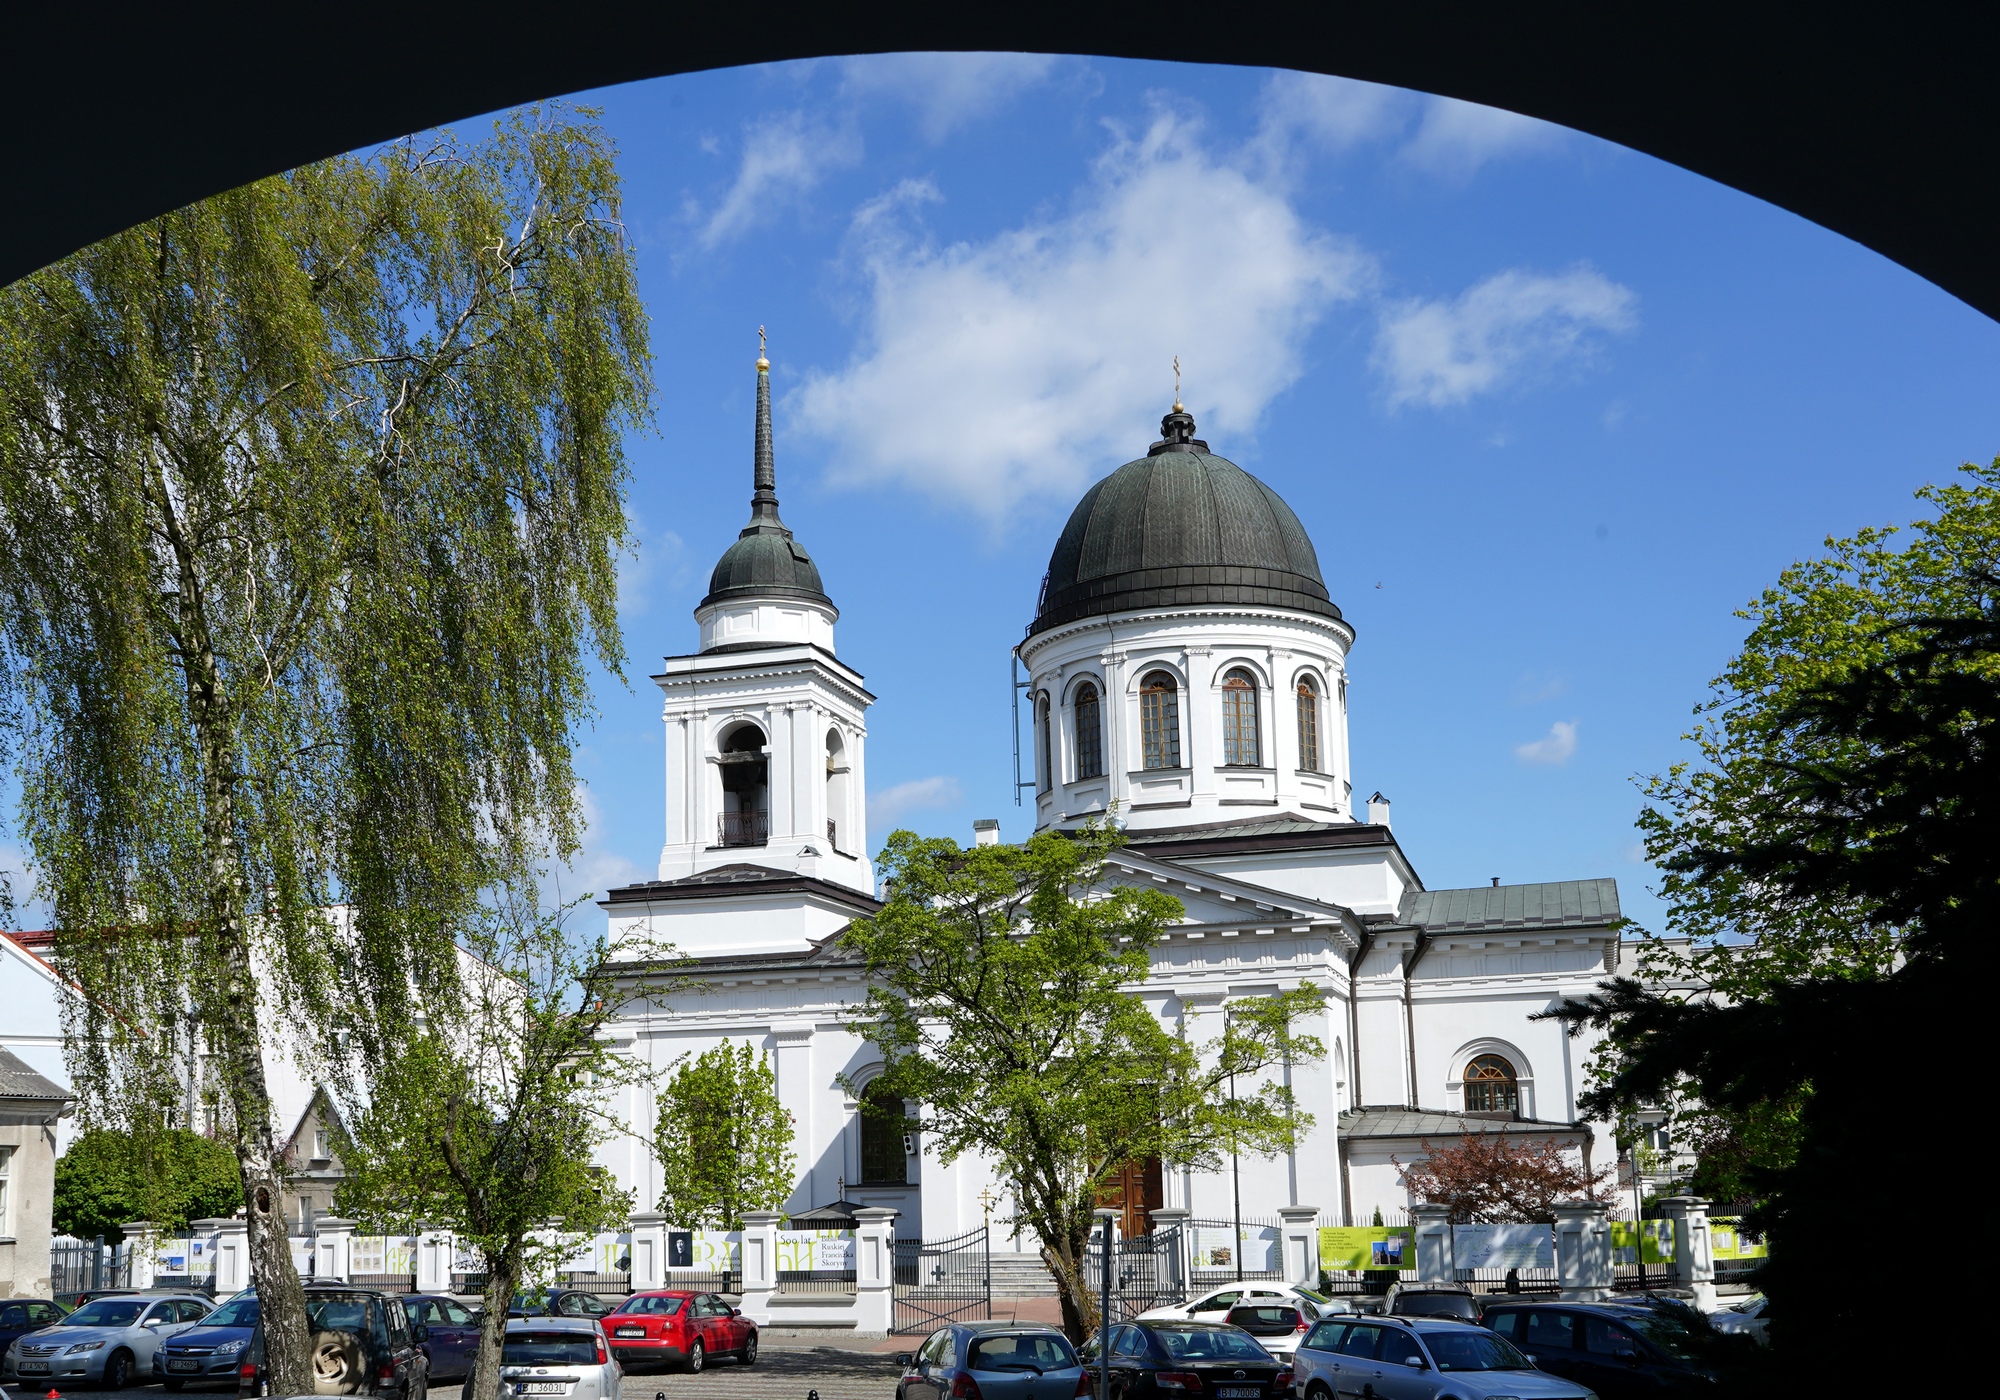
x: 1020, y: 1276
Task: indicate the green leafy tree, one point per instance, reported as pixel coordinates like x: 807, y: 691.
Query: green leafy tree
x: 310, y: 504
x: 1859, y: 836
x: 486, y: 1118
x: 1002, y: 999
x: 108, y: 1179
x: 723, y: 1139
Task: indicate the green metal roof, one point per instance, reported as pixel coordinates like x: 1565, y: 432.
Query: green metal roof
x: 1559, y: 904
x: 766, y: 561
x: 1180, y: 527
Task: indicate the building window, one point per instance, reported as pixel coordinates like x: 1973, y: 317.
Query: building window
x: 839, y: 781
x: 1043, y: 738
x: 1089, y: 733
x: 1160, y: 721
x: 1491, y: 1086
x: 882, y: 1129
x: 1239, y: 720
x: 1309, y: 725
x: 6, y: 1196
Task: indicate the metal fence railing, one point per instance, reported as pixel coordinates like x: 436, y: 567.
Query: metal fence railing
x: 77, y: 1266
x: 816, y: 1280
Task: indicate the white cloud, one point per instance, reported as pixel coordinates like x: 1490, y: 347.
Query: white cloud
x: 1536, y: 686
x: 1553, y: 748
x: 1455, y: 138
x: 654, y: 559
x: 889, y: 806
x: 948, y: 90
x: 1334, y: 114
x: 596, y: 868
x: 1514, y: 327
x: 1013, y: 368
x: 784, y: 157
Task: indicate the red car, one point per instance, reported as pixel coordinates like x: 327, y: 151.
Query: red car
x: 679, y: 1328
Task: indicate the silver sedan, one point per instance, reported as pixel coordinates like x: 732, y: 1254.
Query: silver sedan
x: 107, y: 1341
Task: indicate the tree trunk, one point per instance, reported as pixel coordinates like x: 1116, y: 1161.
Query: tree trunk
x: 1067, y: 1258
x: 503, y: 1278
x: 280, y: 1296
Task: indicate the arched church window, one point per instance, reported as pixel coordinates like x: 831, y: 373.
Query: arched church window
x: 1044, y: 738
x: 1160, y: 721
x: 882, y: 1129
x: 1491, y: 1086
x: 839, y: 780
x: 1089, y: 733
x: 746, y: 788
x: 1239, y: 720
x: 1309, y: 725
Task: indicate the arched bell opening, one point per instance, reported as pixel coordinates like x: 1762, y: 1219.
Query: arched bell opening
x: 746, y: 788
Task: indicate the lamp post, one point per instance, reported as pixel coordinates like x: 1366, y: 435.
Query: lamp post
x: 1235, y: 1171
x: 1104, y: 1217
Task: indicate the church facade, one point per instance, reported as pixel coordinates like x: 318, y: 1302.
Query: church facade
x: 1188, y: 679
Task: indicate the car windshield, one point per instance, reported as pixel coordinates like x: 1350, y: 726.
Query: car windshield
x: 1473, y: 1350
x: 1317, y: 1298
x: 1206, y: 1344
x: 666, y: 1307
x: 1037, y: 1353
x: 107, y: 1312
x: 548, y: 1349
x: 1436, y: 1305
x: 1668, y: 1334
x: 237, y: 1312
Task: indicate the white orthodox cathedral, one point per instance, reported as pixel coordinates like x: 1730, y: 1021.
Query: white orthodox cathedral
x: 1188, y: 674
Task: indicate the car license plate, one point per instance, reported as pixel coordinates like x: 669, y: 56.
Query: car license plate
x: 1238, y: 1392
x: 542, y: 1388
x: 630, y: 1332
x: 183, y: 1363
x: 34, y: 1368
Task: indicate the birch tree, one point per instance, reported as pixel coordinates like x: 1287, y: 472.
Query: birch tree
x: 311, y: 497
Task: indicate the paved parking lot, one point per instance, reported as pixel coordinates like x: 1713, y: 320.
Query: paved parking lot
x: 781, y: 1373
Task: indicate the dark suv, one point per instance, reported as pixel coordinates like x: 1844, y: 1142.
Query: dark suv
x: 363, y: 1343
x: 1615, y: 1349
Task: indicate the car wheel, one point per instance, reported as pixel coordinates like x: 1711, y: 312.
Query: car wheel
x: 1319, y: 1392
x: 118, y: 1370
x: 697, y: 1358
x: 749, y: 1352
x: 336, y: 1362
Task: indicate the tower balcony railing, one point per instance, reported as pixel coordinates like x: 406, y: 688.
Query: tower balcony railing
x: 745, y: 828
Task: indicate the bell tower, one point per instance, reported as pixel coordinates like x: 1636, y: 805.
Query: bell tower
x: 765, y: 726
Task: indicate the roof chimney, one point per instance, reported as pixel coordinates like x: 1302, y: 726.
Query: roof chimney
x: 986, y: 831
x: 1378, y: 810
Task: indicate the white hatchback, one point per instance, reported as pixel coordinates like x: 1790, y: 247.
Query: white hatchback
x: 560, y: 1358
x: 1214, y: 1305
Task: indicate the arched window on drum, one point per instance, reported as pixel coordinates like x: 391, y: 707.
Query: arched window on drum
x: 1240, y: 748
x: 1309, y: 759
x: 1492, y: 1086
x: 1160, y: 721
x: 1089, y: 733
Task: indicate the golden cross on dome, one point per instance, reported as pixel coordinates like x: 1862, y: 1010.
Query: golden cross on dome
x: 763, y: 360
x: 1177, y: 384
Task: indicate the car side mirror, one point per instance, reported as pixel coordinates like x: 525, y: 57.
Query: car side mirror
x: 421, y: 1332
x: 1531, y: 1358
x: 1628, y: 1356
x: 906, y: 1359
x: 1416, y: 1362
x: 736, y: 1312
x: 154, y: 1322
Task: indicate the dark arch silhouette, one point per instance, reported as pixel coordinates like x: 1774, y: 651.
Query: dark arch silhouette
x: 1876, y: 122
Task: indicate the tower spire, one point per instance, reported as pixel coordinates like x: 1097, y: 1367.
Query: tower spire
x: 764, y: 499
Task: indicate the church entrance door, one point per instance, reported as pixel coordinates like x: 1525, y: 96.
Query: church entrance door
x: 1135, y: 1189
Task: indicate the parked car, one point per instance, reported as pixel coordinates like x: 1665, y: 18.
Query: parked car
x: 19, y: 1316
x: 107, y: 1341
x: 677, y: 1327
x: 1278, y: 1327
x: 562, y: 1356
x: 1214, y: 1305
x: 1615, y: 1349
x: 1174, y: 1360
x: 993, y: 1361
x: 1419, y: 1358
x: 557, y: 1302
x: 453, y: 1334
x: 363, y: 1343
x: 212, y: 1349
x: 1431, y: 1300
x: 1750, y: 1318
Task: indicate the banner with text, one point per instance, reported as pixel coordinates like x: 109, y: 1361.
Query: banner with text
x: 1503, y: 1246
x: 1367, y: 1247
x: 1726, y: 1240
x: 1647, y: 1241
x: 815, y: 1251
x: 1215, y: 1247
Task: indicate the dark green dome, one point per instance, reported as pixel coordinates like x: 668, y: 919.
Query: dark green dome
x: 766, y: 561
x: 1180, y: 527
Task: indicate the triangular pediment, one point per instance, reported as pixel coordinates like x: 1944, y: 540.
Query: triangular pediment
x: 1224, y: 903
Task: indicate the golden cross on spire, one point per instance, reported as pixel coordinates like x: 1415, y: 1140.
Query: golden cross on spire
x: 1177, y: 385
x: 763, y: 360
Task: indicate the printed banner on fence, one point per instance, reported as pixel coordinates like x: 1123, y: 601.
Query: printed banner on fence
x: 1726, y: 1240
x: 1215, y: 1247
x: 1648, y: 1241
x: 1367, y: 1247
x: 815, y: 1251
x: 705, y: 1251
x: 1503, y: 1246
x: 382, y: 1254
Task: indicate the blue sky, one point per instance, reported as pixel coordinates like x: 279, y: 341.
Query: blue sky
x: 1550, y: 409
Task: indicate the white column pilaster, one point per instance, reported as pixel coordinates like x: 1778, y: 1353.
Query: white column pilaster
x: 874, y: 1270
